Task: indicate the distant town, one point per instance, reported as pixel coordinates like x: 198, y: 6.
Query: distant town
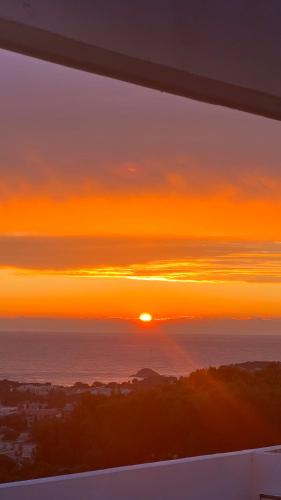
x: 24, y: 404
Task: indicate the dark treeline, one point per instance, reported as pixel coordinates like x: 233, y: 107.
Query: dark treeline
x: 214, y: 410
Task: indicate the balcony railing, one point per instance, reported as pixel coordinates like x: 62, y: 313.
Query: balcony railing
x: 243, y: 475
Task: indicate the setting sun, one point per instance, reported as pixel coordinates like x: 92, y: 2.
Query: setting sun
x: 146, y: 317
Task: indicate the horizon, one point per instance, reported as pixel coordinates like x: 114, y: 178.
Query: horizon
x: 180, y: 325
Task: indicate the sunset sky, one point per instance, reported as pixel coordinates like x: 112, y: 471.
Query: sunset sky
x: 115, y: 199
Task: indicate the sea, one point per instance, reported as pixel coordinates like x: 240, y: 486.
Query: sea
x: 65, y: 358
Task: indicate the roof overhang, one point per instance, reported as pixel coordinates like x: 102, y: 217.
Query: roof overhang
x: 220, y: 52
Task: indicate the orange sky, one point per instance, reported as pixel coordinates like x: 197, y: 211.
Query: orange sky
x: 117, y: 199
x: 161, y: 214
x: 62, y: 296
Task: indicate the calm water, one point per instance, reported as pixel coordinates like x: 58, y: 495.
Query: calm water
x: 68, y: 357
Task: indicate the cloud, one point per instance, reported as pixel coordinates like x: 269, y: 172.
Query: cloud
x: 31, y: 173
x: 181, y: 260
x: 71, y: 132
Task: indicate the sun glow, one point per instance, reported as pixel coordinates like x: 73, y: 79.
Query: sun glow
x: 145, y: 317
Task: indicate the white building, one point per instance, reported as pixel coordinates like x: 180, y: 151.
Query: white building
x: 20, y: 450
x: 102, y: 391
x: 37, y: 389
x: 108, y: 391
x: 8, y: 410
x: 243, y: 475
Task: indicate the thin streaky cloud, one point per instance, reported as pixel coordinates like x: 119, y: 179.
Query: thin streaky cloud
x: 193, y: 261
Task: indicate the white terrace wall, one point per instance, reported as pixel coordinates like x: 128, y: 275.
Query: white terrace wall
x: 267, y: 473
x: 214, y: 477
